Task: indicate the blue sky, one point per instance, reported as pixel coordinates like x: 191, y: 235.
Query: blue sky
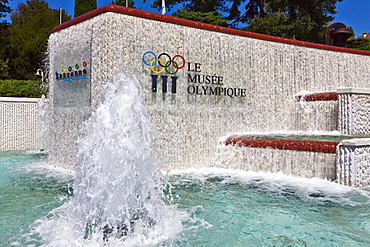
x: 353, y: 13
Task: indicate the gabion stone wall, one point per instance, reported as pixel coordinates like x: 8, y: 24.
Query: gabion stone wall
x: 354, y: 111
x: 353, y: 167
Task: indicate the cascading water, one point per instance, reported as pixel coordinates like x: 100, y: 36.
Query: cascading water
x: 41, y: 104
x: 117, y: 190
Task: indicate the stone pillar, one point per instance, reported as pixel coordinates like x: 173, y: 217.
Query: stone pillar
x: 353, y: 166
x: 354, y: 111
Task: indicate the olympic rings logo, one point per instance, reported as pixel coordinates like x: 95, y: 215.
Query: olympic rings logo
x: 164, y: 61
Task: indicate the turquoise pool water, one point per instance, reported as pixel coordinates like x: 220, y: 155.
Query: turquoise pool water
x: 28, y: 191
x: 224, y: 207
x: 259, y: 209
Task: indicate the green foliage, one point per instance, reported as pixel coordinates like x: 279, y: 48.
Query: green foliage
x: 253, y: 9
x: 303, y: 19
x: 4, y: 41
x: 22, y: 88
x: 214, y: 18
x: 4, y: 74
x: 360, y: 43
x: 282, y: 26
x: 31, y: 24
x: 203, y: 6
x: 300, y: 19
x: 206, y: 11
x: 84, y: 6
x: 4, y: 8
x: 130, y: 3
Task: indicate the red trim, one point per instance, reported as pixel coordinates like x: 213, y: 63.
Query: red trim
x: 317, y: 97
x: 309, y: 146
x: 209, y: 27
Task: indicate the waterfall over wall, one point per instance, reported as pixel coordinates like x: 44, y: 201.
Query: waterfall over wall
x: 190, y: 121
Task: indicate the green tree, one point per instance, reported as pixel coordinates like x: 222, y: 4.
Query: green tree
x: 130, y: 3
x: 31, y: 24
x: 214, y: 17
x: 281, y: 26
x: 84, y: 6
x: 4, y: 50
x: 4, y: 8
x: 206, y: 11
x: 254, y: 8
x: 300, y: 19
x: 4, y: 40
x: 203, y: 6
x: 360, y: 43
x: 296, y: 19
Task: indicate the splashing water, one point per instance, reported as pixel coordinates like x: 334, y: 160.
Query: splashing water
x: 118, y: 193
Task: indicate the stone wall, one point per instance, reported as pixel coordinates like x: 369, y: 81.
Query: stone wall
x: 244, y: 81
x: 354, y: 113
x: 353, y: 166
x: 18, y: 124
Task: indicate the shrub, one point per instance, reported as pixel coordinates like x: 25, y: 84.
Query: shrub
x: 4, y: 69
x: 360, y: 43
x: 22, y: 88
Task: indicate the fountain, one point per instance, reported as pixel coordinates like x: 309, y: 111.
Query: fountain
x: 248, y: 127
x: 118, y: 192
x: 205, y: 83
x: 225, y: 105
x: 115, y: 183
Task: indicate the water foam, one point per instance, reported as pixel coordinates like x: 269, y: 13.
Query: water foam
x: 311, y: 190
x: 118, y: 191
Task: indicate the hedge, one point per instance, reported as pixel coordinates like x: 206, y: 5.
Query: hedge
x: 22, y: 88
